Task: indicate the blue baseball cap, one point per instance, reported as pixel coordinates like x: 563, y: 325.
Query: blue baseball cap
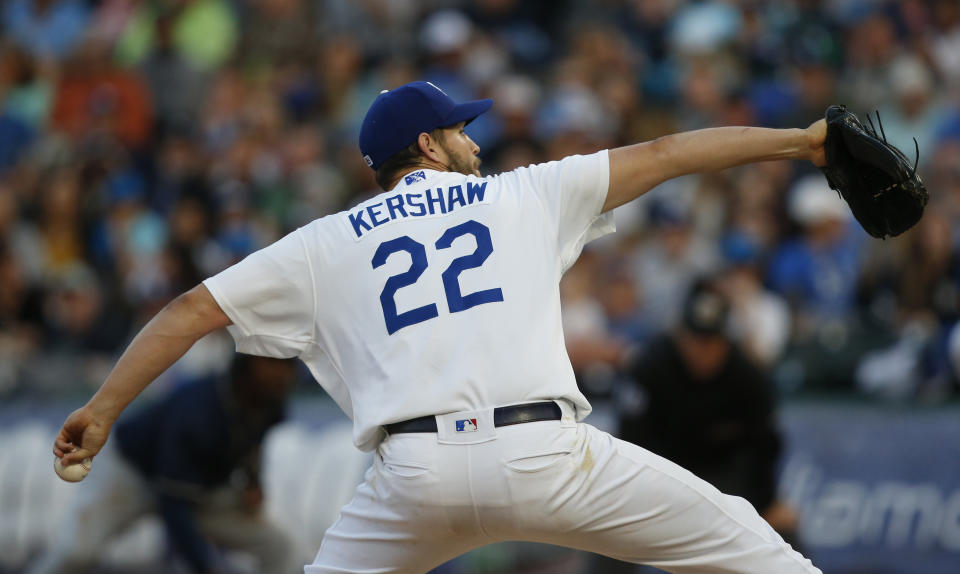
x: 397, y: 117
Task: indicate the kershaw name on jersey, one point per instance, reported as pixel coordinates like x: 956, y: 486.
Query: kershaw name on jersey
x: 424, y: 203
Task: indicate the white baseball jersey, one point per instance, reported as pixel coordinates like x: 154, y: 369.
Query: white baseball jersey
x: 440, y: 295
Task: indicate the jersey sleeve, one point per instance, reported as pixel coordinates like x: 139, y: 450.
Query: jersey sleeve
x: 269, y: 297
x: 572, y: 192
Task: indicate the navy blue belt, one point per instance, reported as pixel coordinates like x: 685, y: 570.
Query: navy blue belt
x: 502, y: 417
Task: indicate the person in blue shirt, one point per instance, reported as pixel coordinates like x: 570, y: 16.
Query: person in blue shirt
x: 48, y: 29
x: 193, y: 459
x: 817, y: 272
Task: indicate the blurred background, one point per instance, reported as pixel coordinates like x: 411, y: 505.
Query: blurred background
x: 148, y: 144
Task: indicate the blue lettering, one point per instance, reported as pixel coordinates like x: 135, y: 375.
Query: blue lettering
x: 374, y: 213
x: 395, y: 205
x: 439, y: 200
x: 357, y: 222
x: 455, y: 197
x: 418, y: 204
x: 475, y: 192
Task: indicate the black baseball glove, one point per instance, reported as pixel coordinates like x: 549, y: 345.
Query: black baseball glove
x: 883, y: 190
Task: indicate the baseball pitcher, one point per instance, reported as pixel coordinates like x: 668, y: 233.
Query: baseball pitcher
x: 431, y: 314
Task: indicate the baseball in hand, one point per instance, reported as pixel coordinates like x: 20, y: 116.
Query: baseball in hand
x: 74, y: 472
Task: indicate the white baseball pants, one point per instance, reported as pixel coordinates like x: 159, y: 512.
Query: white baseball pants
x: 430, y: 497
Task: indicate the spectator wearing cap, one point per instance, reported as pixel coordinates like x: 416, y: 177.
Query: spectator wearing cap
x: 706, y: 406
x: 917, y: 111
x: 817, y: 272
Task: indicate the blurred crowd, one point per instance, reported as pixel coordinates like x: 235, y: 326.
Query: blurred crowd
x: 147, y: 144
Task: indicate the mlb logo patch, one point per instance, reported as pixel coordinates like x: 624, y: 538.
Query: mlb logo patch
x: 467, y: 425
x: 415, y: 177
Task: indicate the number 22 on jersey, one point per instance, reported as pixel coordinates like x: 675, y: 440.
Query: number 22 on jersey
x: 456, y: 300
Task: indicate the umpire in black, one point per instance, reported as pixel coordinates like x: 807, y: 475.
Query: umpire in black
x: 704, y: 405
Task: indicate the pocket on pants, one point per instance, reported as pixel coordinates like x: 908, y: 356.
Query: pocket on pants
x: 405, y: 469
x: 538, y: 462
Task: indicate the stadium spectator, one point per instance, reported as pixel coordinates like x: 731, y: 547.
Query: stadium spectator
x: 176, y: 85
x: 60, y: 241
x: 25, y: 100
x: 817, y: 272
x: 665, y: 266
x: 48, y: 29
x: 917, y: 111
x: 277, y: 32
x: 760, y: 320
x: 203, y: 31
x: 96, y: 100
